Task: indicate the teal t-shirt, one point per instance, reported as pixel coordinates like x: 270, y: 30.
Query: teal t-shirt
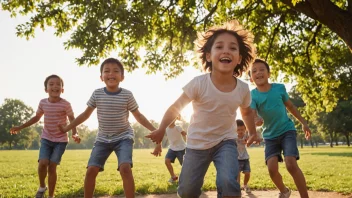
x: 270, y: 106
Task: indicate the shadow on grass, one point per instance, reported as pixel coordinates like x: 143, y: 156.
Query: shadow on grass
x: 334, y: 154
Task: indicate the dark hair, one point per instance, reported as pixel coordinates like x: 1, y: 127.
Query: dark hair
x: 52, y: 76
x: 245, y: 41
x: 258, y: 60
x: 114, y: 61
x: 239, y: 123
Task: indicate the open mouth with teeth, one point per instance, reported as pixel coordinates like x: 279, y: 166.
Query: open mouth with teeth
x: 225, y: 60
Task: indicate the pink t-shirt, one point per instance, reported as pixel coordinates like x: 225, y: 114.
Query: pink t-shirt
x: 214, y: 112
x: 54, y: 114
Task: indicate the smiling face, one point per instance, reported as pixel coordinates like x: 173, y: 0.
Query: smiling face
x: 112, y: 76
x: 241, y: 130
x: 54, y: 87
x: 259, y: 74
x: 224, y: 54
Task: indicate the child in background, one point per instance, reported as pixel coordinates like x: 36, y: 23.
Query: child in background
x: 177, y: 140
x: 113, y: 105
x: 225, y: 52
x: 271, y: 100
x: 53, y: 142
x: 243, y: 157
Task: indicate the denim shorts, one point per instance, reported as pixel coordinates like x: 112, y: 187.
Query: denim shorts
x: 244, y: 166
x: 285, y: 143
x: 172, y: 155
x: 101, y: 152
x: 196, y: 163
x: 52, y: 151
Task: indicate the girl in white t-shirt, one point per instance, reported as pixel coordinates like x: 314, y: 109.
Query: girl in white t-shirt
x: 226, y: 52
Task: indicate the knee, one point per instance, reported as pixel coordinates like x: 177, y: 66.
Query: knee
x: 291, y: 167
x: 92, y: 172
x: 52, y: 168
x: 125, y: 170
x: 43, y: 164
x: 167, y: 161
x: 273, y: 170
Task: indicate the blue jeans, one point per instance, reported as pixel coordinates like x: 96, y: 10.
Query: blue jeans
x: 172, y: 155
x: 52, y: 151
x: 196, y: 163
x: 285, y: 143
x: 101, y: 151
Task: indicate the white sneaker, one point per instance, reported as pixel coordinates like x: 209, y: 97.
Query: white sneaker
x: 247, y: 189
x: 286, y: 194
x: 173, y: 179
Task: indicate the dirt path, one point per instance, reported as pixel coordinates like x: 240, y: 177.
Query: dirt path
x: 254, y: 194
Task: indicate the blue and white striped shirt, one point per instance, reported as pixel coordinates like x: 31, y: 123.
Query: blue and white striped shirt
x: 113, y: 111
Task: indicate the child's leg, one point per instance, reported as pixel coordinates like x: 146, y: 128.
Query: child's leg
x: 246, y: 172
x: 169, y: 167
x: 123, y: 150
x: 89, y: 181
x: 291, y: 153
x: 194, y: 167
x: 273, y: 168
x: 127, y: 178
x: 42, y: 171
x: 227, y: 170
x: 52, y: 177
x: 297, y: 175
x: 247, y: 175
x: 239, y: 178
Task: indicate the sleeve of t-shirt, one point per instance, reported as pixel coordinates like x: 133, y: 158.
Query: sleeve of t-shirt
x: 40, y: 110
x: 247, y: 97
x: 253, y: 103
x: 92, y: 101
x: 132, y: 104
x: 283, y: 93
x: 191, y: 89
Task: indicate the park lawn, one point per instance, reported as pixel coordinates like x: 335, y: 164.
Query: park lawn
x: 326, y: 169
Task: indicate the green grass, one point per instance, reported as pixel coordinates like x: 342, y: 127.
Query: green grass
x: 325, y: 169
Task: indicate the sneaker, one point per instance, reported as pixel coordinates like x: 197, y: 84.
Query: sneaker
x: 40, y: 194
x: 173, y: 179
x: 286, y: 194
x: 247, y: 189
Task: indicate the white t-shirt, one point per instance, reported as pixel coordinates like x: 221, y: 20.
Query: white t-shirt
x: 214, y: 112
x: 175, y: 138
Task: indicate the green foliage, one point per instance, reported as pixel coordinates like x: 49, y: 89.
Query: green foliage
x: 294, y: 36
x: 14, y: 113
x: 325, y: 169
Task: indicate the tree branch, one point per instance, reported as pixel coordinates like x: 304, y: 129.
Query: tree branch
x: 276, y: 30
x: 312, y: 40
x: 206, y: 18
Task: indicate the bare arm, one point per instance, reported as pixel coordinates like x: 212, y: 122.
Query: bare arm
x: 170, y: 115
x: 71, y: 118
x: 293, y: 110
x: 33, y: 120
x: 248, y: 119
x: 184, y: 135
x: 79, y: 120
x: 142, y: 120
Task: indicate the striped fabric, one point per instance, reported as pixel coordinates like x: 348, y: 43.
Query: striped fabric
x: 54, y: 114
x: 113, y: 111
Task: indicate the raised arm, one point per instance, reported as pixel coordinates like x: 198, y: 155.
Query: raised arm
x: 170, y: 115
x: 79, y: 120
x: 293, y: 110
x: 33, y: 120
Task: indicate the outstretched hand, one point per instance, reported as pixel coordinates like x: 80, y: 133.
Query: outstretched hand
x: 14, y: 130
x: 156, y: 136
x: 157, y: 151
x: 253, y: 139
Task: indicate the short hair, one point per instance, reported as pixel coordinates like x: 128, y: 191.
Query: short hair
x: 258, y: 60
x: 50, y: 77
x: 240, y: 123
x: 114, y: 61
x: 244, y: 37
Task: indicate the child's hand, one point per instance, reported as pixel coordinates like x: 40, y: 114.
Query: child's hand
x: 157, y: 151
x: 76, y: 138
x: 62, y: 128
x: 14, y: 130
x: 156, y: 136
x: 307, y: 131
x: 253, y: 139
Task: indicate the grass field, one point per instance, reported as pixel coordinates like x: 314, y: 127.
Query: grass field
x: 326, y: 169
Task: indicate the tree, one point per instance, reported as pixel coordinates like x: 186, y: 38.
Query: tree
x: 308, y: 41
x: 13, y: 113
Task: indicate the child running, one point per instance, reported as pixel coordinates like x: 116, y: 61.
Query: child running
x: 113, y: 105
x: 177, y: 140
x: 243, y: 157
x: 226, y: 52
x: 53, y: 142
x: 271, y: 100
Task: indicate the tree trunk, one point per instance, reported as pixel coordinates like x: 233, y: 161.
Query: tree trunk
x: 336, y: 139
x: 311, y: 143
x: 327, y: 13
x: 302, y: 143
x: 331, y: 139
x: 348, y: 138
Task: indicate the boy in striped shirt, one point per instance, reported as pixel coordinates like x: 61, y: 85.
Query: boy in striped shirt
x: 113, y: 105
x: 53, y: 142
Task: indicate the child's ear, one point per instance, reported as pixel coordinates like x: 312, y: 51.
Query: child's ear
x: 46, y: 91
x: 101, y: 78
x: 62, y: 90
x: 207, y: 57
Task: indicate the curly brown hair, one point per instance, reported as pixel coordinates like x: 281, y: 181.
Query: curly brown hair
x: 244, y: 37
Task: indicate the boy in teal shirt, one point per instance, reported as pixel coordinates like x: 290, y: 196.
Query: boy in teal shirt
x: 270, y: 101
